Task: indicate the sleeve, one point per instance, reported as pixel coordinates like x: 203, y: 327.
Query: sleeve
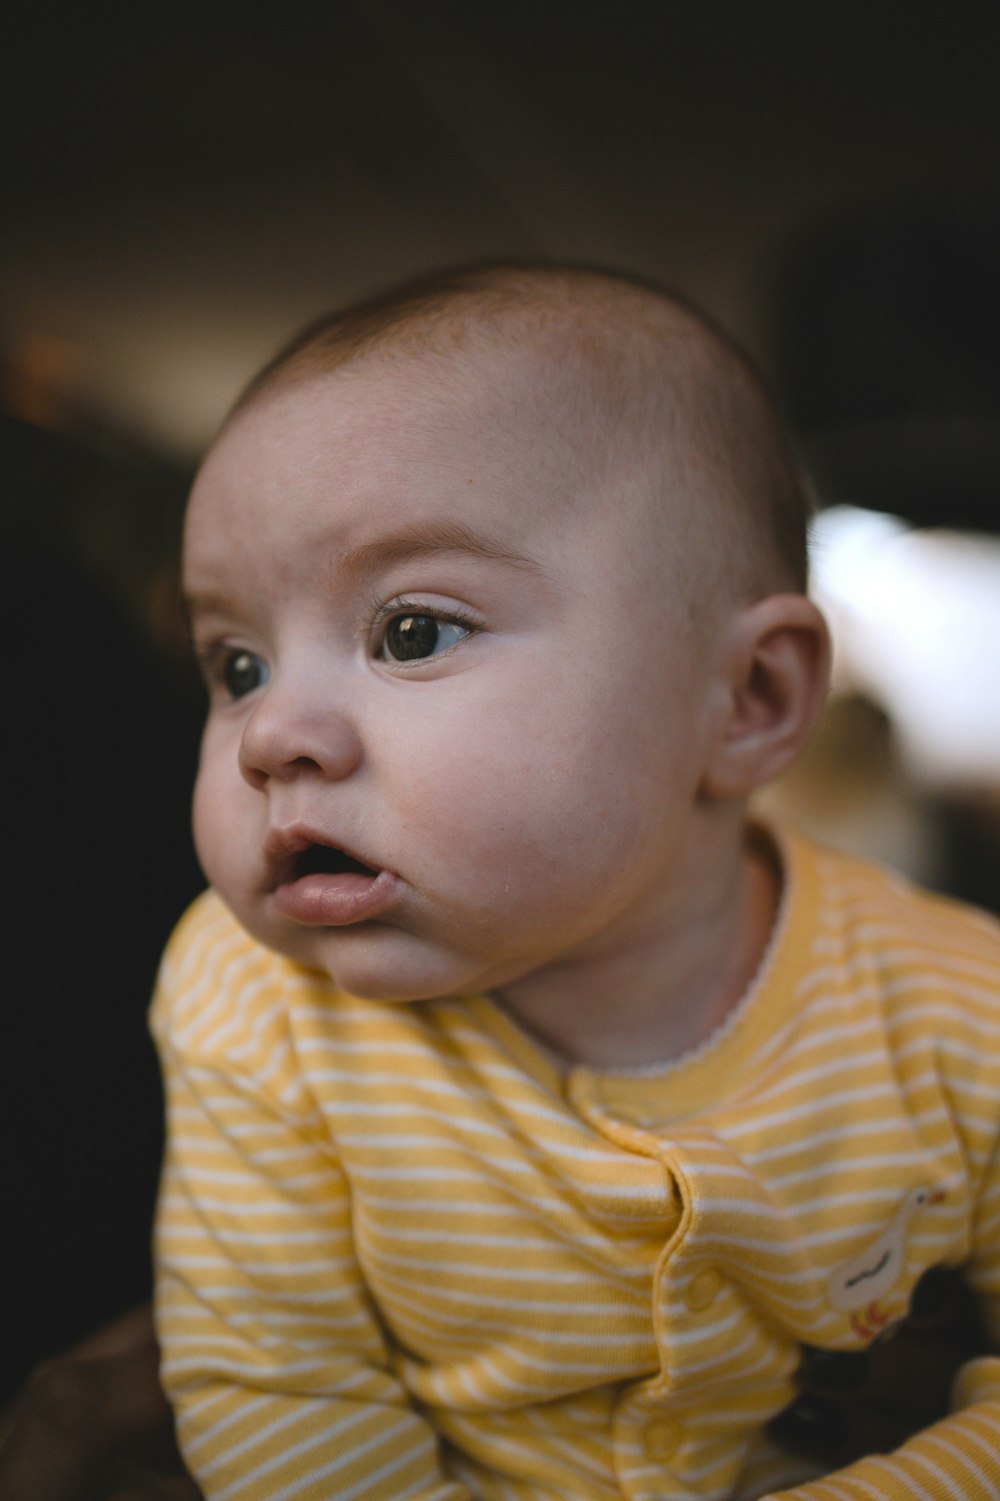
x: 273, y: 1356
x: 958, y: 1458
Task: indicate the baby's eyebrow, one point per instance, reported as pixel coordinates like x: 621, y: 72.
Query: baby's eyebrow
x: 423, y: 539
x: 193, y: 602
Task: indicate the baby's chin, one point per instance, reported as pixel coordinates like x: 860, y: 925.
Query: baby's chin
x: 375, y: 962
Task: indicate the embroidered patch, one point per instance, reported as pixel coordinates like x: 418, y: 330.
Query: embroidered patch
x: 858, y: 1286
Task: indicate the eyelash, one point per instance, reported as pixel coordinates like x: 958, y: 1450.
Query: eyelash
x: 383, y: 611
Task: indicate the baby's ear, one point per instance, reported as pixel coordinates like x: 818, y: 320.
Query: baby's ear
x: 777, y: 669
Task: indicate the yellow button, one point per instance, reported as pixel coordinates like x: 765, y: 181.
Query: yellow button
x: 661, y: 1438
x: 702, y: 1290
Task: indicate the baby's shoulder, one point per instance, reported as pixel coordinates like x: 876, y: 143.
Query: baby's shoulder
x: 914, y: 947
x: 881, y: 905
x: 209, y: 944
x: 220, y: 991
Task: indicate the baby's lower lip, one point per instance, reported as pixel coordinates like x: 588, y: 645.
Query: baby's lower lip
x: 328, y: 899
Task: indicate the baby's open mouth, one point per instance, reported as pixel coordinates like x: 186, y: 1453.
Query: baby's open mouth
x: 319, y: 885
x: 322, y: 859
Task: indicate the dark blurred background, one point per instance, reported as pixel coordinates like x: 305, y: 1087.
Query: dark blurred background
x: 183, y: 185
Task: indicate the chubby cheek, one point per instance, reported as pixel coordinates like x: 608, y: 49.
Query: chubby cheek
x: 216, y: 818
x: 548, y: 796
x: 204, y: 814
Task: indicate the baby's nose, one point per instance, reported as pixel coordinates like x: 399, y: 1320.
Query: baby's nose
x: 290, y: 734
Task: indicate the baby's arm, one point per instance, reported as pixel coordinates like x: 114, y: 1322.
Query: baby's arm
x: 272, y: 1355
x: 274, y: 1359
x: 958, y: 1456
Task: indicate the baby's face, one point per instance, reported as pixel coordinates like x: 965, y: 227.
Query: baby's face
x: 457, y: 713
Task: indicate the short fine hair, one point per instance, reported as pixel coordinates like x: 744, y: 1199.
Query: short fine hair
x: 657, y: 372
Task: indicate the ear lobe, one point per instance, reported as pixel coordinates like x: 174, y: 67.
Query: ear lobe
x: 777, y: 670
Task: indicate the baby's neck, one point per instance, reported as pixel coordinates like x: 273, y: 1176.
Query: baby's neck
x: 659, y: 1000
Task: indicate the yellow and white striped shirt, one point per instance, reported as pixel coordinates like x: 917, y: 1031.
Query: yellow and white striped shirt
x: 401, y: 1256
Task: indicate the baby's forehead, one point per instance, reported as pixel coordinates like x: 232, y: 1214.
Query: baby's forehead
x: 419, y: 422
x: 558, y: 433
x: 574, y: 396
x: 519, y: 399
x: 367, y: 468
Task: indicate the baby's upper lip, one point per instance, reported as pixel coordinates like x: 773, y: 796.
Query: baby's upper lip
x: 287, y: 846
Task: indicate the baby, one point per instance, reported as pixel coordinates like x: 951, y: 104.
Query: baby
x: 535, y: 1117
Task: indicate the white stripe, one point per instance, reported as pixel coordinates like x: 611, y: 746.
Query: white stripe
x: 267, y: 1210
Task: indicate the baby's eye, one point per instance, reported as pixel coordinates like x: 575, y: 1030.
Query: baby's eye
x: 242, y: 672
x: 412, y: 636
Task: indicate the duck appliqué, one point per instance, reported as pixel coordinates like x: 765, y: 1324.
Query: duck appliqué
x: 857, y: 1286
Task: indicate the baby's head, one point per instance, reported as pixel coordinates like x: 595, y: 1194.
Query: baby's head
x: 638, y: 389
x: 497, y: 585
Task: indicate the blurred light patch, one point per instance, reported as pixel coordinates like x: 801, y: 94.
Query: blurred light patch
x: 41, y: 378
x: 915, y: 617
